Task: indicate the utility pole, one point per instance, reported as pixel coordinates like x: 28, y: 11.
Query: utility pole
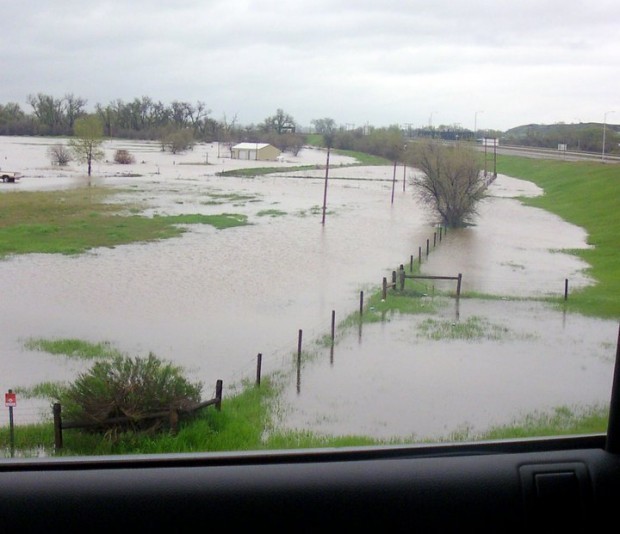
x: 325, y: 189
x: 604, y: 125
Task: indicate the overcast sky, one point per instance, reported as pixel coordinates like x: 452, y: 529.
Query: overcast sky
x: 491, y: 64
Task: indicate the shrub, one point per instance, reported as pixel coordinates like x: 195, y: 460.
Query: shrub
x: 59, y: 155
x: 123, y: 157
x: 132, y: 388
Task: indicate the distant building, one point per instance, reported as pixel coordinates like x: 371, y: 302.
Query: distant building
x: 255, y: 151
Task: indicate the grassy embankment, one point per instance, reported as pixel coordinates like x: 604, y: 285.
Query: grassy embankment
x: 584, y: 194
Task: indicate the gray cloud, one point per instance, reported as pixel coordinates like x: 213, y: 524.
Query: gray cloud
x: 356, y: 61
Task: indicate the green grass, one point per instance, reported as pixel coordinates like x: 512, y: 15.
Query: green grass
x: 363, y: 158
x: 586, y: 194
x: 239, y: 426
x: 260, y: 171
x: 76, y: 220
x: 561, y: 421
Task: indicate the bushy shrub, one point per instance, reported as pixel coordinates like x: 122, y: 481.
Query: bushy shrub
x: 124, y: 157
x: 59, y: 155
x: 132, y: 388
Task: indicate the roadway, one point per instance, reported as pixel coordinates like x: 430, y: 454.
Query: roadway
x: 549, y: 153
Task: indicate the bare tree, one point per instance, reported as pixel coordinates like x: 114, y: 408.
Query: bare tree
x: 48, y: 111
x: 280, y: 123
x: 450, y: 181
x: 73, y: 108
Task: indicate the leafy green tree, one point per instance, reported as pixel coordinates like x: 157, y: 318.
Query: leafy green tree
x: 87, y: 140
x: 450, y: 181
x: 177, y: 140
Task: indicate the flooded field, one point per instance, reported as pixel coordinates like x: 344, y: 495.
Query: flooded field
x: 212, y: 300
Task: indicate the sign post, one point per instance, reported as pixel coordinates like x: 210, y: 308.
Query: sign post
x: 10, y: 400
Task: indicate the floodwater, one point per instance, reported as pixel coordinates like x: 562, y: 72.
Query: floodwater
x: 212, y: 300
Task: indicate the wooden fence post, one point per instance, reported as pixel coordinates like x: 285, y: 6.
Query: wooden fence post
x: 401, y: 277
x: 427, y: 246
x: 411, y: 264
x: 420, y: 255
x: 218, y: 395
x: 394, y: 280
x: 299, y: 361
x: 361, y: 302
x: 259, y: 360
x: 566, y: 289
x: 333, y: 326
x: 57, y: 426
x: 173, y: 419
x: 458, y: 286
x: 434, y: 239
x: 384, y: 294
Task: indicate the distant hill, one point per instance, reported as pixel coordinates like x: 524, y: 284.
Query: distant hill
x: 585, y: 136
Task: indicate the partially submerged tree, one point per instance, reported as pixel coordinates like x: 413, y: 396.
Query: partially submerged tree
x: 450, y: 180
x: 87, y: 140
x: 176, y: 140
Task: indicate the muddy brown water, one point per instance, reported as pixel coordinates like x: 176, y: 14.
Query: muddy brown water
x: 212, y: 300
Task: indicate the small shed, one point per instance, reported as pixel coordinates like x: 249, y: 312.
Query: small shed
x: 255, y: 151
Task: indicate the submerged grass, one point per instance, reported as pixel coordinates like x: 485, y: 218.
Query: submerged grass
x: 271, y: 213
x: 73, y: 348
x: 76, y: 220
x: 473, y: 328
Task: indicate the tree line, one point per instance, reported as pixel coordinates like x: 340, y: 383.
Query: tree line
x: 583, y: 136
x: 145, y: 118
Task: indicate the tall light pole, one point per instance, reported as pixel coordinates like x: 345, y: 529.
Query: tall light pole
x: 476, y: 124
x: 604, y: 125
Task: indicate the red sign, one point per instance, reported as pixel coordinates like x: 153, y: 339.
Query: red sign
x: 10, y: 400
